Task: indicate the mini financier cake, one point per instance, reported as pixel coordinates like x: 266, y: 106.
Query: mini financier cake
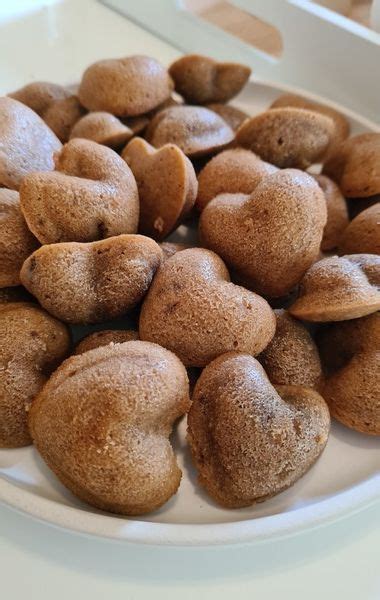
x: 200, y: 79
x: 249, y: 440
x: 90, y: 283
x: 167, y: 185
x: 91, y: 195
x: 271, y: 237
x: 102, y: 424
x: 337, y: 289
x: 194, y: 310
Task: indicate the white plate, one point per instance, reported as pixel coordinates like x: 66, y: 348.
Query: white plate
x: 344, y: 480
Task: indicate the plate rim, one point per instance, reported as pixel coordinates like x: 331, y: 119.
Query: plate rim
x: 271, y: 527
x: 247, y: 531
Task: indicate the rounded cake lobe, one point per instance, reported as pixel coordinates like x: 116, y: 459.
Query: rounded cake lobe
x: 200, y: 79
x: 287, y: 137
x: 94, y: 282
x: 197, y: 130
x: 249, y: 440
x: 271, y: 238
x: 291, y: 358
x: 91, y: 195
x: 350, y: 353
x: 339, y: 288
x: 341, y: 124
x: 102, y: 424
x: 125, y: 87
x: 32, y: 345
x: 27, y: 143
x: 194, y: 310
x: 234, y: 171
x: 103, y: 128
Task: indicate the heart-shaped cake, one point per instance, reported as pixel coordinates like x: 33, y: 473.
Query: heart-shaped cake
x: 249, y: 440
x: 167, y: 185
x: 194, y: 310
x: 271, y: 237
x: 91, y: 195
x: 90, y: 283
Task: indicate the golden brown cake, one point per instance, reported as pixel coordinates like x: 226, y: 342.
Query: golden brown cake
x: 125, y: 87
x: 287, y: 137
x: 167, y: 186
x: 271, y: 237
x: 249, y: 440
x: 91, y: 195
x: 194, y: 310
x: 102, y: 424
x: 337, y: 289
x: 32, y: 344
x: 198, y: 131
x: 342, y: 126
x: 103, y: 128
x: 94, y: 282
x: 200, y: 79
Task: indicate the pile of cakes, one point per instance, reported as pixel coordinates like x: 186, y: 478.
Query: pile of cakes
x: 272, y: 313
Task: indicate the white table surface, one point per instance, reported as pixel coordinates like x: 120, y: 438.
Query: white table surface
x: 55, y: 42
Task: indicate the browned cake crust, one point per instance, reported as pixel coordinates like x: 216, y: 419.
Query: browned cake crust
x: 235, y: 171
x: 337, y: 289
x: 200, y: 79
x: 350, y: 353
x: 250, y: 441
x: 102, y: 424
x: 363, y: 233
x: 91, y: 195
x: 198, y: 131
x: 194, y: 310
x: 16, y: 241
x: 355, y: 166
x: 167, y: 186
x: 287, y: 137
x: 90, y: 283
x: 271, y: 237
x: 103, y: 128
x: 26, y: 142
x: 291, y: 358
x: 125, y: 87
x: 337, y: 213
x: 105, y: 337
x: 32, y: 346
